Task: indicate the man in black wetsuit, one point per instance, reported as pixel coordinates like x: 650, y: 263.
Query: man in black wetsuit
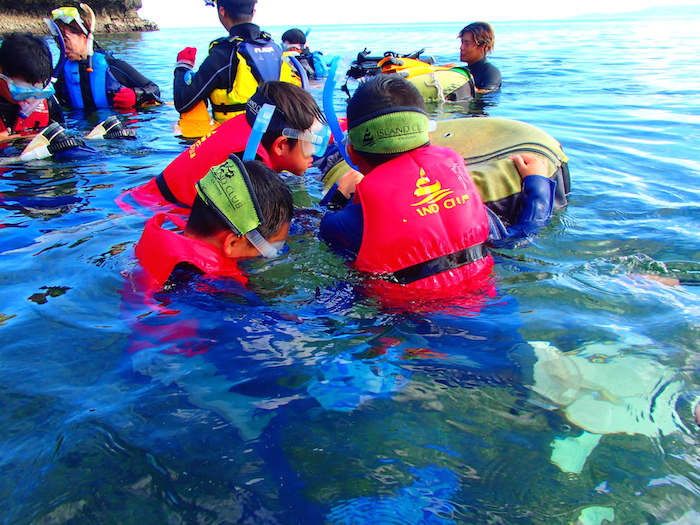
x: 478, y: 39
x: 219, y: 78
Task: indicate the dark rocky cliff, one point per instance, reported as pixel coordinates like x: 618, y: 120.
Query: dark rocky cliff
x: 112, y: 16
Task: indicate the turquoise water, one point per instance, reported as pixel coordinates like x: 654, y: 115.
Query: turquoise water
x: 568, y: 395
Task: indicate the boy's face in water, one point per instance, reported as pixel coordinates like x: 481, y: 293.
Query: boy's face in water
x: 243, y: 248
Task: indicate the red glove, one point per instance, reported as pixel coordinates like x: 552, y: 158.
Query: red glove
x: 124, y: 98
x: 187, y: 56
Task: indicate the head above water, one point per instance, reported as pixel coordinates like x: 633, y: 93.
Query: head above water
x: 74, y: 30
x: 294, y: 36
x: 25, y: 57
x: 299, y: 111
x: 234, y: 197
x: 386, y: 118
x: 233, y: 12
x: 477, y: 40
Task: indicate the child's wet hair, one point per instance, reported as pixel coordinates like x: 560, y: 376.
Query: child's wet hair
x: 27, y: 56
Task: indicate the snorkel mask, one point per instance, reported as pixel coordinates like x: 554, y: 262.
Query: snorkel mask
x: 21, y: 90
x: 68, y: 15
x: 227, y: 190
x: 313, y: 141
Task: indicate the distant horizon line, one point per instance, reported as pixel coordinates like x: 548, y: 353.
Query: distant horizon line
x: 591, y: 17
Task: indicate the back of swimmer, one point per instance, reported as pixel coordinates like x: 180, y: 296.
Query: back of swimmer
x: 294, y: 44
x: 412, y: 214
x: 229, y: 75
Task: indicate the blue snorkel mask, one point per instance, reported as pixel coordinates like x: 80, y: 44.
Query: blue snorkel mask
x: 21, y: 90
x: 314, y: 141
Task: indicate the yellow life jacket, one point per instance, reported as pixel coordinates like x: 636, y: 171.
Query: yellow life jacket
x: 259, y: 61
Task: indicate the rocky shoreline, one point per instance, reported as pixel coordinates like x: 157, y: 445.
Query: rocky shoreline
x: 112, y: 18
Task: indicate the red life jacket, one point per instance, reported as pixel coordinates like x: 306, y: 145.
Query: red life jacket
x: 160, y: 250
x: 38, y: 120
x: 176, y: 185
x: 423, y: 207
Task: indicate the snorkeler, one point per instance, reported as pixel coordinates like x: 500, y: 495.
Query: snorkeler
x: 92, y: 77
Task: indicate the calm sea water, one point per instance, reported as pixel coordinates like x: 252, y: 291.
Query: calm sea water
x: 568, y: 396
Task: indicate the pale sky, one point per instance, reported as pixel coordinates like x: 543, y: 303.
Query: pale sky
x: 193, y: 13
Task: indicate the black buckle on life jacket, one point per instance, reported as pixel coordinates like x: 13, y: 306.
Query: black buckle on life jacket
x: 228, y: 108
x: 439, y: 264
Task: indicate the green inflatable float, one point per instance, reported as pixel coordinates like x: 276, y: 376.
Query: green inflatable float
x: 486, y: 144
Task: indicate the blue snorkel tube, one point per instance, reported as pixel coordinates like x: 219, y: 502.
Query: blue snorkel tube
x: 302, y: 72
x: 329, y: 109
x: 262, y: 121
x: 61, y: 43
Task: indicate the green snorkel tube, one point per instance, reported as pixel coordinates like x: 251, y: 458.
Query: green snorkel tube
x: 329, y: 109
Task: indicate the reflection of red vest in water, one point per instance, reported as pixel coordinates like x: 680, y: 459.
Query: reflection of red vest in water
x: 177, y: 182
x: 37, y: 121
x: 160, y: 250
x: 421, y: 208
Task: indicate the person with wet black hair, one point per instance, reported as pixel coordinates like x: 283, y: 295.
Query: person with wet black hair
x: 27, y: 101
x: 294, y: 44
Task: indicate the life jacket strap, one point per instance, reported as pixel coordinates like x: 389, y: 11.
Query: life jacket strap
x: 228, y: 108
x: 165, y: 190
x: 440, y: 264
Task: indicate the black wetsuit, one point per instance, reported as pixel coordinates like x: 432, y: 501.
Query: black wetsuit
x: 486, y: 75
x: 146, y: 91
x: 215, y: 72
